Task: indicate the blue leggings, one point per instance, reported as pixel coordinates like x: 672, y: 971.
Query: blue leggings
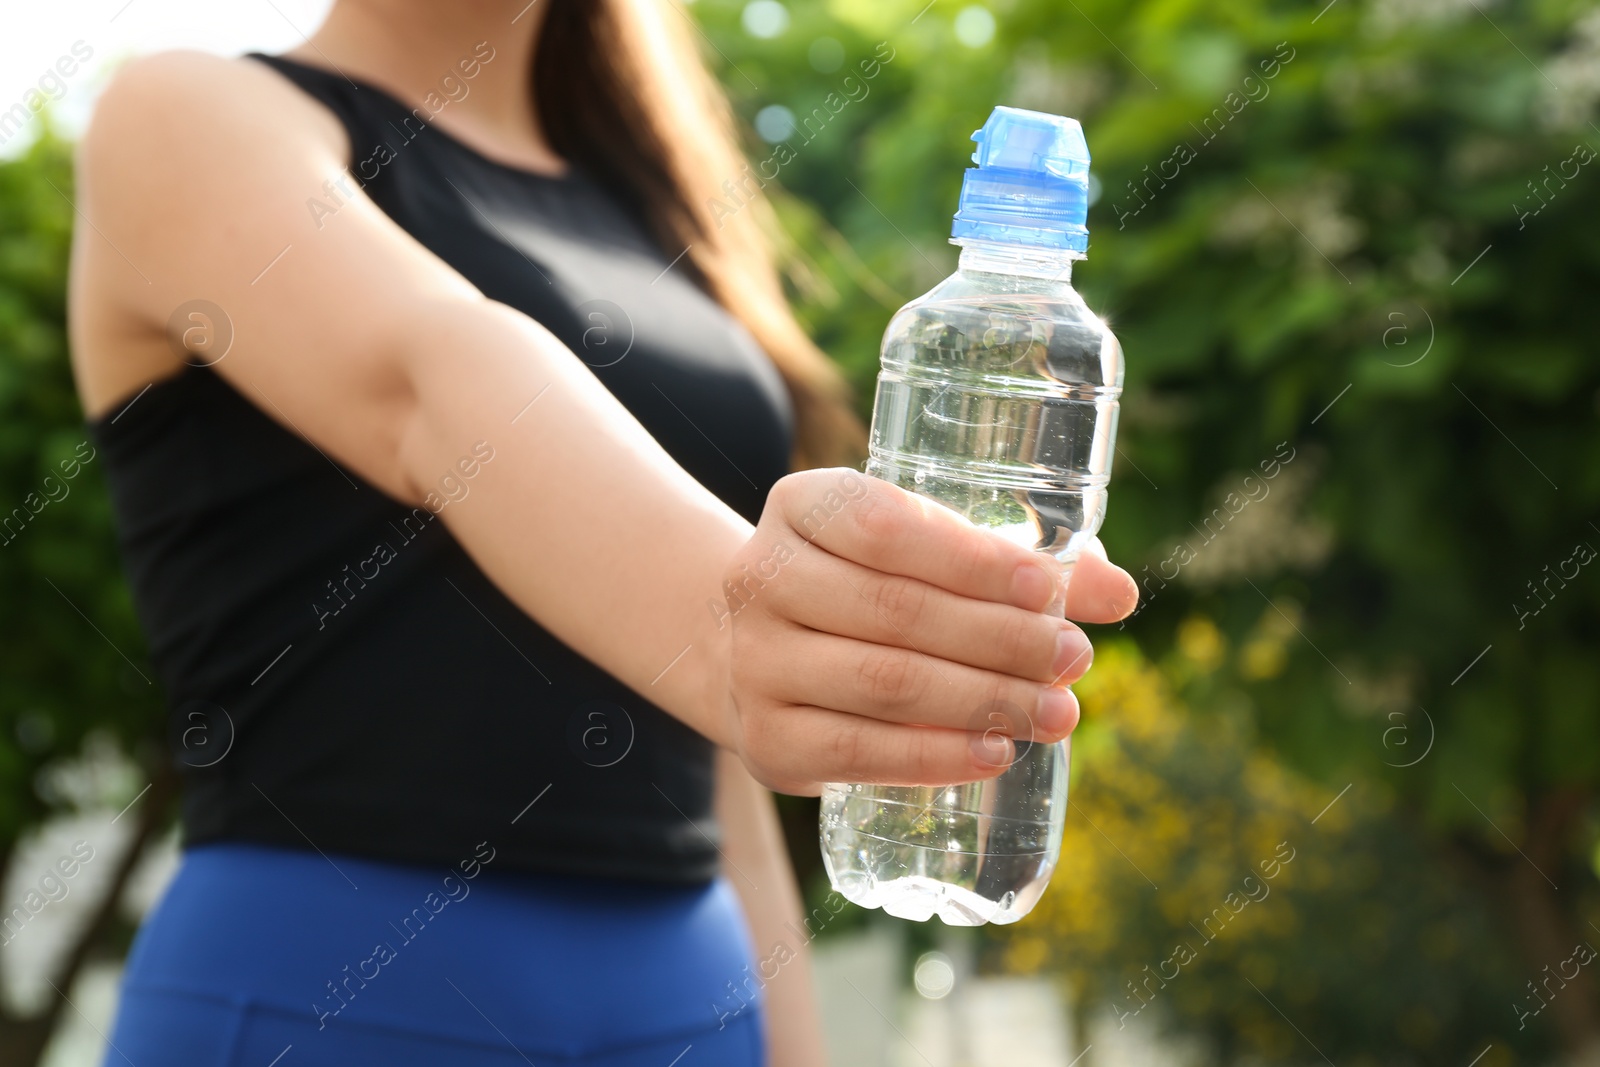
x: 268, y: 957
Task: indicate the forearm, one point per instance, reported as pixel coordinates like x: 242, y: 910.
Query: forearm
x: 758, y: 866
x: 581, y: 518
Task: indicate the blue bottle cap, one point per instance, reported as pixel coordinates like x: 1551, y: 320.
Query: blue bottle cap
x: 1030, y: 185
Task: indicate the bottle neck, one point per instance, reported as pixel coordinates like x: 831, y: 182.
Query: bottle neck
x: 992, y: 257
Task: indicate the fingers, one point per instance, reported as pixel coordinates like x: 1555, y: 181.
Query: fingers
x: 836, y: 596
x: 907, y: 686
x: 1100, y: 591
x: 902, y: 644
x: 884, y: 528
x: 820, y: 745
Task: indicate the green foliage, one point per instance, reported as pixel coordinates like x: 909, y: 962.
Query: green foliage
x: 68, y: 620
x: 1196, y: 867
x: 1364, y: 230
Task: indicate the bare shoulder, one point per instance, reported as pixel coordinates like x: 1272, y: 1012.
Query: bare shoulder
x: 207, y: 106
x: 198, y: 181
x: 186, y: 162
x: 176, y: 135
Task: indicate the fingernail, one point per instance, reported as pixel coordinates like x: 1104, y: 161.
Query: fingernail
x: 1074, y: 653
x: 1031, y: 584
x: 1058, y: 711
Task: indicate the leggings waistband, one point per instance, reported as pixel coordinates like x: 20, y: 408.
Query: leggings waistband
x: 562, y: 965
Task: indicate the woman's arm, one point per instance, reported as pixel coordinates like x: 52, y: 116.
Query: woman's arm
x: 196, y: 174
x: 892, y: 622
x: 757, y: 863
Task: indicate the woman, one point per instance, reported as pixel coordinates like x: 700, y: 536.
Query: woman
x: 448, y: 434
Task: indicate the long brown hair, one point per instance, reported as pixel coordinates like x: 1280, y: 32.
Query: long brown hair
x: 621, y: 91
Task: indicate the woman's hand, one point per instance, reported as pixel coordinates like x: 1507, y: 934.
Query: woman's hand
x: 879, y: 637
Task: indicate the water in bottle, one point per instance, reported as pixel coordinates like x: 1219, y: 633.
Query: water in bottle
x: 997, y: 398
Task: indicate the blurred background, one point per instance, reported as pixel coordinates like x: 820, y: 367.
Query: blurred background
x: 1334, y: 795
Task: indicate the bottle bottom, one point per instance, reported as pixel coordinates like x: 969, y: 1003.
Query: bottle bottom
x: 973, y: 853
x: 919, y: 897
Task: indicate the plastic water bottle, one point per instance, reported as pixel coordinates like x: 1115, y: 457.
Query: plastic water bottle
x: 997, y: 398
